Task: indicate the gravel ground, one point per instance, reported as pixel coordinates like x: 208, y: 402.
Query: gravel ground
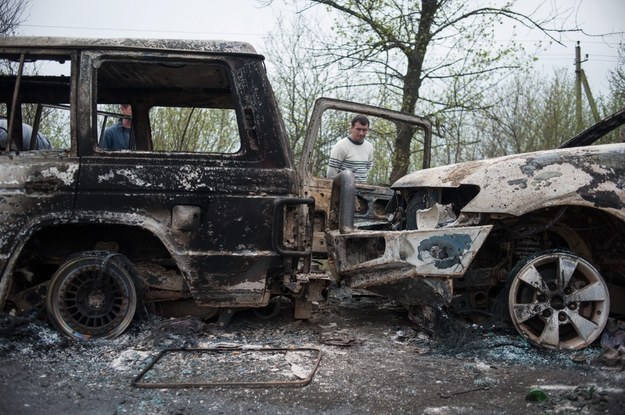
x: 372, y: 360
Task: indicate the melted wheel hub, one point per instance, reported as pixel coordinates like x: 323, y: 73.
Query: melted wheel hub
x: 558, y: 300
x: 91, y: 296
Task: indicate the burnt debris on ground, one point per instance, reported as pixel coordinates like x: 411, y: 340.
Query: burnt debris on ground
x: 374, y: 359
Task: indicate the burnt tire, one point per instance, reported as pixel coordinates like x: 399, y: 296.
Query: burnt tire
x: 93, y: 295
x: 558, y: 300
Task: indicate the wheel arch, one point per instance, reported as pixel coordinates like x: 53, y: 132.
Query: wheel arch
x: 596, y: 235
x: 591, y: 233
x: 46, y: 246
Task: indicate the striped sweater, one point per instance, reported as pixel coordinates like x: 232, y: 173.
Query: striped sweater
x: 346, y: 155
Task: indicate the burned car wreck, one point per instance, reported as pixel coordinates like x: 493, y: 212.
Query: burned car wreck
x: 205, y: 212
x: 536, y: 239
x: 202, y: 213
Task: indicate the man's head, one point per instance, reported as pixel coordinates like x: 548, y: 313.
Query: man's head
x: 359, y: 128
x: 126, y: 109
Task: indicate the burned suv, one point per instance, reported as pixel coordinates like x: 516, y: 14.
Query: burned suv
x: 196, y: 208
x: 199, y: 212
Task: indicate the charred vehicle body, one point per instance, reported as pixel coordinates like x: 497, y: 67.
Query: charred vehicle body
x: 202, y: 213
x: 205, y: 212
x: 534, y: 238
x: 204, y: 217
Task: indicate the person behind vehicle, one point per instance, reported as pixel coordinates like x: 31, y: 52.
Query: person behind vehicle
x: 119, y: 135
x: 27, y: 131
x: 353, y: 152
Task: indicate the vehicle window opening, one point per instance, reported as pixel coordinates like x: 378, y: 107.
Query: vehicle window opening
x: 34, y: 95
x: 174, y: 107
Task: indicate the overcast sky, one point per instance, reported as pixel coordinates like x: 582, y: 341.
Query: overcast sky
x: 245, y: 20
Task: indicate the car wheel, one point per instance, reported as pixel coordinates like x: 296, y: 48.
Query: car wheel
x: 92, y: 295
x: 558, y: 300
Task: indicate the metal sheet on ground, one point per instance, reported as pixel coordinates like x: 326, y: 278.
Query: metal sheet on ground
x: 244, y: 367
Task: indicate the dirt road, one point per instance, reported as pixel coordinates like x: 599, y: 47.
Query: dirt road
x: 373, y: 360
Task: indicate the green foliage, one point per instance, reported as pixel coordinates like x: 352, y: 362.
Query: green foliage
x: 382, y: 135
x: 194, y: 130
x: 617, y: 91
x: 334, y: 126
x: 54, y: 124
x: 617, y: 79
x: 528, y: 113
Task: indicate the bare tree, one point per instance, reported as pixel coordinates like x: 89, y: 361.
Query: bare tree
x: 11, y: 15
x: 530, y: 113
x: 395, y: 39
x: 298, y: 80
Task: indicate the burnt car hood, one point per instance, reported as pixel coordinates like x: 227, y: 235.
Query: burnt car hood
x: 517, y: 184
x: 576, y: 173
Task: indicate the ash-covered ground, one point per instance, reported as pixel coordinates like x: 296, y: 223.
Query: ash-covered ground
x: 373, y: 359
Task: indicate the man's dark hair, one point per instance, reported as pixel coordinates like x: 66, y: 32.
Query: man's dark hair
x: 360, y: 119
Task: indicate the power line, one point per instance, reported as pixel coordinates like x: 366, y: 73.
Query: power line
x: 139, y: 30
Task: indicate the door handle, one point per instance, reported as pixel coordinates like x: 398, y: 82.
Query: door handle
x: 43, y: 184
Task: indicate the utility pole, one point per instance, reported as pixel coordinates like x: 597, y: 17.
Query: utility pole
x: 580, y: 79
x: 578, y: 88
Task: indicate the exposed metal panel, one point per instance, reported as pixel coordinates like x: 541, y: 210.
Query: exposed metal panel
x: 585, y: 176
x: 217, y: 46
x: 390, y: 255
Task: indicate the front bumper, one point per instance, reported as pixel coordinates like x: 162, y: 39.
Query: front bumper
x: 412, y: 267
